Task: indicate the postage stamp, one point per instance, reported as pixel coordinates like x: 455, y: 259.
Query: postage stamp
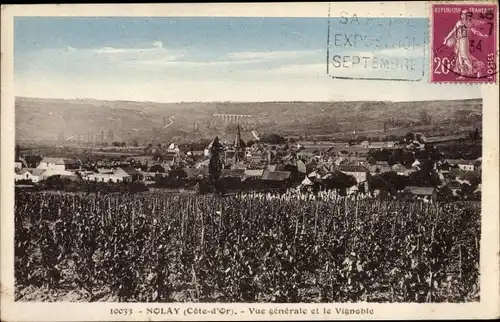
x: 464, y: 43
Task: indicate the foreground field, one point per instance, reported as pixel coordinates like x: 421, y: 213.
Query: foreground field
x: 148, y: 247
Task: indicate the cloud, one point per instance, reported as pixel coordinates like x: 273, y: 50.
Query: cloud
x: 265, y: 56
x: 113, y: 50
x: 230, y: 59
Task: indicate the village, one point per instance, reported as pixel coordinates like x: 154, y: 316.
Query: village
x: 412, y: 166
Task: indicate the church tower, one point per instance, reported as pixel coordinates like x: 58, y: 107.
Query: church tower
x: 238, y: 147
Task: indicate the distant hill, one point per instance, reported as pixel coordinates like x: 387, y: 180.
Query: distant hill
x: 45, y: 119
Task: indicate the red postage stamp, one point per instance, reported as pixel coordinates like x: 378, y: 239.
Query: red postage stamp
x: 464, y: 43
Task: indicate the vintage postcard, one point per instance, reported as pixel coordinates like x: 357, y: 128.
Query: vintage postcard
x: 250, y: 161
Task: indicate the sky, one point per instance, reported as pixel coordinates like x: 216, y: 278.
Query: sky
x: 189, y: 59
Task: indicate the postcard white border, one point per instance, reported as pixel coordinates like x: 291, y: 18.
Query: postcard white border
x: 489, y: 304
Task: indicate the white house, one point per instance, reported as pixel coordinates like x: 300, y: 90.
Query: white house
x: 108, y: 177
x: 35, y: 175
x: 58, y: 167
x: 59, y: 164
x: 466, y: 165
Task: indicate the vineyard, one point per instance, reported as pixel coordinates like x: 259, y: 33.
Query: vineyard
x: 154, y: 248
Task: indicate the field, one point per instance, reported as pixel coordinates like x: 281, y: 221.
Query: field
x: 40, y: 119
x: 157, y: 248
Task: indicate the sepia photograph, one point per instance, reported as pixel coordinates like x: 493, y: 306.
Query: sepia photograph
x: 228, y: 159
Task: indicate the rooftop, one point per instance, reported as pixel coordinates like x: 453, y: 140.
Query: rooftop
x: 59, y: 161
x: 254, y: 173
x: 276, y: 175
x: 351, y: 168
x: 420, y: 191
x: 461, y: 161
x: 232, y: 173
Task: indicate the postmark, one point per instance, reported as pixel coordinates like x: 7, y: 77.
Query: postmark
x: 367, y: 48
x: 464, y: 43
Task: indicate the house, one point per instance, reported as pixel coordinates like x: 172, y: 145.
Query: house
x: 84, y: 173
x: 358, y: 172
x: 128, y: 171
x: 253, y: 174
x: 109, y: 177
x: 377, y: 145
x: 426, y: 193
x: 38, y: 174
x: 466, y: 165
x: 26, y: 174
x: 232, y: 173
x: 357, y: 161
x: 104, y: 170
x: 58, y: 167
x: 280, y: 178
x: 400, y: 169
x: 58, y: 164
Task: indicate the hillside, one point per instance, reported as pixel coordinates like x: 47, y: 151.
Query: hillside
x: 45, y: 119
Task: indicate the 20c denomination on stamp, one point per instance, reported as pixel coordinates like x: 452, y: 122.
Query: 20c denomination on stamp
x: 464, y: 43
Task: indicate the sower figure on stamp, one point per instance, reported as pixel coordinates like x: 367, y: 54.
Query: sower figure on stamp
x: 463, y: 62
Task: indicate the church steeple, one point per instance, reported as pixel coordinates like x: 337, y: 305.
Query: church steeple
x: 238, y: 146
x: 237, y: 141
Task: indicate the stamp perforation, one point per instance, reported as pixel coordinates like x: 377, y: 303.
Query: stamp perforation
x: 462, y: 79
